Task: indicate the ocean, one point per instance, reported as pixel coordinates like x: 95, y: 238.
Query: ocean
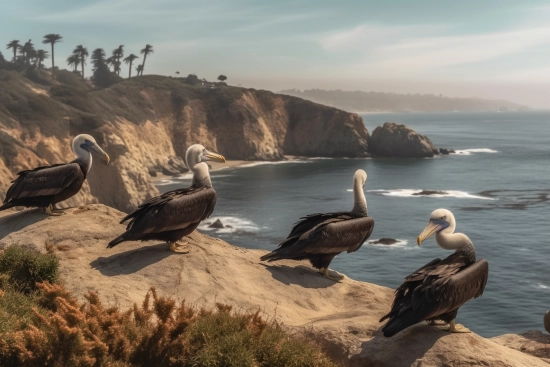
x: 498, y: 187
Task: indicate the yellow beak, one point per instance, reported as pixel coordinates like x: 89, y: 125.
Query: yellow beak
x: 100, y: 153
x: 211, y: 156
x: 430, y: 229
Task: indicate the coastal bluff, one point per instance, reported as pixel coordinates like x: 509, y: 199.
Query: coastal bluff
x: 143, y: 121
x: 342, y: 317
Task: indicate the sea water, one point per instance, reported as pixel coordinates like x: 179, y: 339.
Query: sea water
x: 497, y: 185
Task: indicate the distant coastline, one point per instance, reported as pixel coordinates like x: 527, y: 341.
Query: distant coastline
x: 378, y: 102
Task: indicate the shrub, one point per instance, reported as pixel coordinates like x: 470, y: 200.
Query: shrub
x: 24, y: 268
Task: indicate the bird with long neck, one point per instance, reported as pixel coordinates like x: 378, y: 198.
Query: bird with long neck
x: 46, y: 186
x: 175, y: 214
x: 322, y: 236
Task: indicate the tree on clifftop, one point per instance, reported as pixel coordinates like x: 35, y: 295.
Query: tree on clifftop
x: 139, y: 69
x: 52, y: 39
x: 41, y: 55
x: 74, y: 61
x: 82, y: 53
x: 222, y: 78
x: 27, y: 51
x: 145, y: 51
x: 117, y: 54
x: 129, y: 60
x: 15, y: 46
x: 102, y: 76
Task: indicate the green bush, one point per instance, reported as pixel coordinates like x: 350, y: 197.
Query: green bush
x: 24, y: 268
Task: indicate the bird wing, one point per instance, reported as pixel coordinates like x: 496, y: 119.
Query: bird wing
x: 439, y: 287
x: 173, y: 210
x: 43, y: 181
x: 341, y: 232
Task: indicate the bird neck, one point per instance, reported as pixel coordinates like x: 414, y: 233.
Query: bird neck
x: 83, y: 158
x: 359, y: 201
x: 458, y: 242
x: 201, y: 177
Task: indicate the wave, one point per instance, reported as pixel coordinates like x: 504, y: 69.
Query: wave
x: 474, y: 150
x: 261, y: 163
x: 236, y: 225
x: 398, y: 244
x: 165, y: 182
x: 412, y: 193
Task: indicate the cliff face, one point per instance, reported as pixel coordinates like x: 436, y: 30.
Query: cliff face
x: 143, y: 121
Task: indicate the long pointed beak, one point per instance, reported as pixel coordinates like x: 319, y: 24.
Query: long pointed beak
x: 211, y: 156
x: 430, y: 229
x: 100, y: 153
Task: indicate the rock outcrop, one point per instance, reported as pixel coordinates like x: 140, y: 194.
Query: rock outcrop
x: 341, y: 316
x: 547, y: 321
x: 398, y: 140
x: 142, y: 121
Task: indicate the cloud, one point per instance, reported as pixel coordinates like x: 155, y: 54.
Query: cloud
x: 417, y: 51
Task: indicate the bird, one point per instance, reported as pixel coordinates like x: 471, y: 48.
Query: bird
x: 170, y: 216
x: 45, y: 186
x: 320, y: 237
x: 437, y: 290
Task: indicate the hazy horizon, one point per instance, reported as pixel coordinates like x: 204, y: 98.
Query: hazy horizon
x: 494, y: 50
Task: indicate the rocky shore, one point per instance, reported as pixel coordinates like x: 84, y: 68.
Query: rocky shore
x: 343, y: 316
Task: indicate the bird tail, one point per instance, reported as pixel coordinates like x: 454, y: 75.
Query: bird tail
x: 116, y: 241
x: 397, y: 324
x: 272, y: 256
x: 7, y: 206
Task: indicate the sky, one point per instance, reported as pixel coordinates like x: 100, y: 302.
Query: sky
x: 467, y: 48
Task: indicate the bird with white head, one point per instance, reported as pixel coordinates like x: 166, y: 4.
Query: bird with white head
x: 45, y: 186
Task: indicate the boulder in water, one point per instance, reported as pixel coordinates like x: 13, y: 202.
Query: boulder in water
x: 446, y: 151
x: 217, y: 224
x: 430, y: 192
x: 547, y: 321
x: 398, y: 140
x: 384, y: 241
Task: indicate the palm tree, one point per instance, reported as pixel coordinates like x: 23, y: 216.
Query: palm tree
x: 74, y: 61
x: 41, y: 55
x: 82, y: 53
x: 129, y: 60
x: 110, y: 61
x: 26, y: 51
x: 52, y: 39
x: 117, y: 54
x: 139, y: 69
x: 15, y: 46
x: 145, y: 51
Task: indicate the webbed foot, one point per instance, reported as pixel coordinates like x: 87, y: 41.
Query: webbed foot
x: 458, y: 328
x: 181, y: 248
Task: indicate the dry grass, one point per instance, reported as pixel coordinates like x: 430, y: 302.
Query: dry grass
x: 50, y: 327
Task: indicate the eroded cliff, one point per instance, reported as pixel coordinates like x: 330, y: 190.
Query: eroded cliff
x: 143, y: 121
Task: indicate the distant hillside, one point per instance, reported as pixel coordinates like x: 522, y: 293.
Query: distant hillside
x: 360, y: 102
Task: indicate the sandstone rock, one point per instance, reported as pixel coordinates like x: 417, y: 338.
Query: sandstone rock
x: 217, y: 224
x: 533, y: 342
x: 341, y: 316
x: 397, y: 140
x: 152, y: 172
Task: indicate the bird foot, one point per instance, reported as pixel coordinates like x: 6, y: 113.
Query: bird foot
x: 182, y: 248
x: 334, y: 276
x: 458, y: 328
x: 50, y: 210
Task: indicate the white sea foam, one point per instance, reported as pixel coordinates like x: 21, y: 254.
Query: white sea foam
x: 165, y: 182
x: 398, y: 244
x: 261, y: 163
x: 237, y: 225
x: 410, y: 193
x: 475, y: 150
x: 543, y: 286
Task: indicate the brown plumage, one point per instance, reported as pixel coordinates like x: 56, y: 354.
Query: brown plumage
x: 438, y: 289
x: 320, y: 237
x: 168, y: 217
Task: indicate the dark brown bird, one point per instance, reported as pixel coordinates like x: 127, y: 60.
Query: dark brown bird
x: 43, y: 187
x: 177, y: 213
x: 320, y: 237
x: 438, y: 289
